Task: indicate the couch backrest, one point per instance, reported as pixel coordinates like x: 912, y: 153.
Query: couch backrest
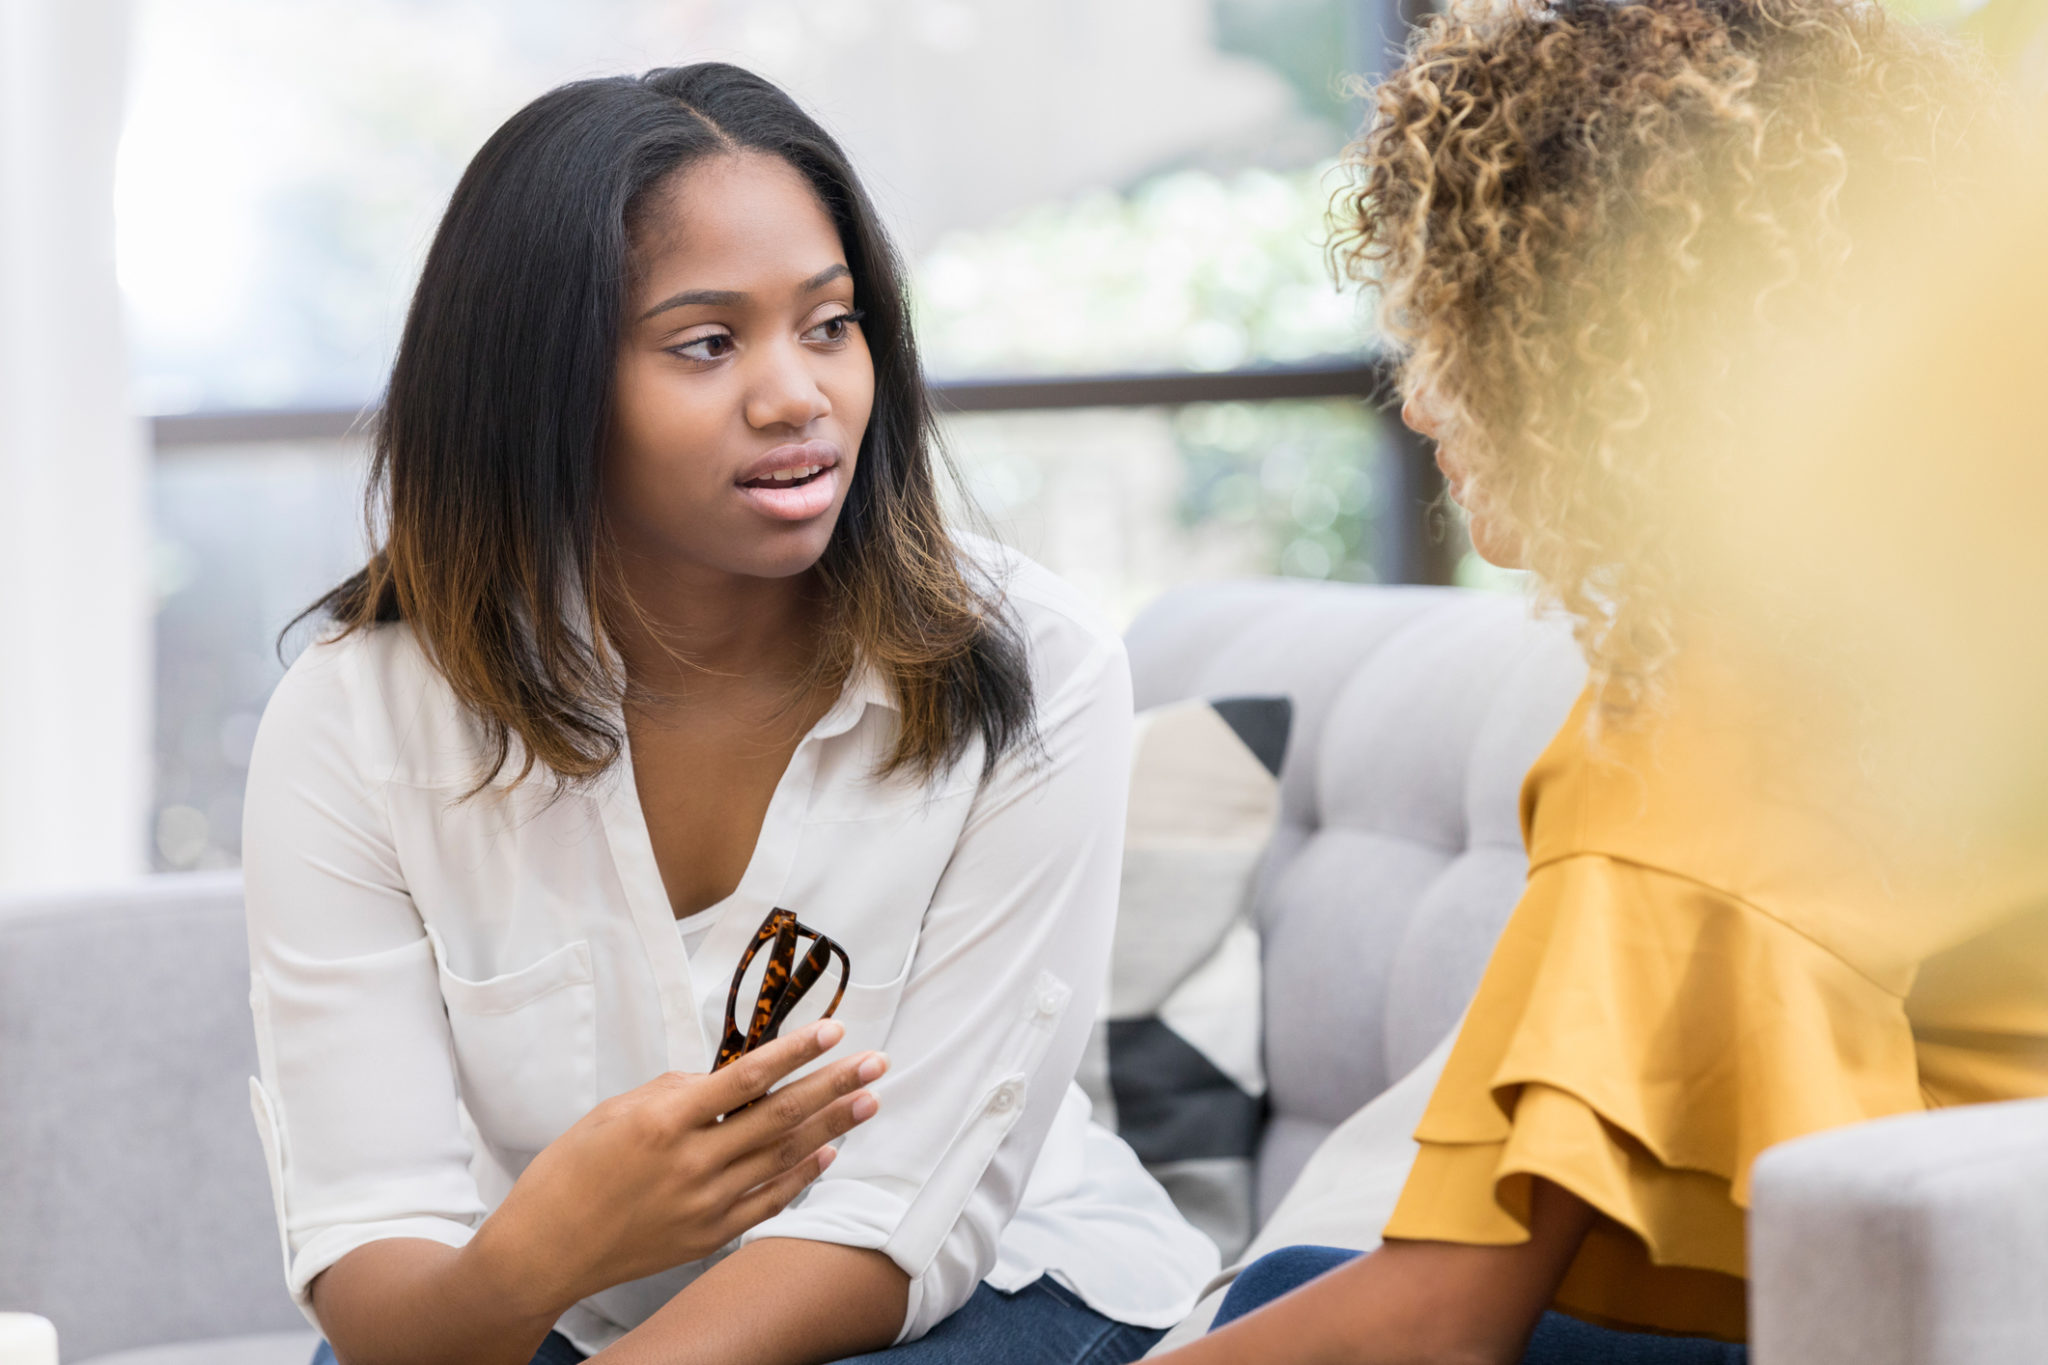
x: 133, y: 1205
x: 1399, y: 853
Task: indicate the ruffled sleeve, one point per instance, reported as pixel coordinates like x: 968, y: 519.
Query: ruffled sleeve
x: 1639, y: 1039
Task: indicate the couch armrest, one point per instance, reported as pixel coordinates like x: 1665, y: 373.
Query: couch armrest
x: 1917, y: 1240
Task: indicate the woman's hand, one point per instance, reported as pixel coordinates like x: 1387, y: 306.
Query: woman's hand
x: 656, y: 1177
x: 645, y: 1181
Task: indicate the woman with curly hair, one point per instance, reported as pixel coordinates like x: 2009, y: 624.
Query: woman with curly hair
x: 1588, y: 220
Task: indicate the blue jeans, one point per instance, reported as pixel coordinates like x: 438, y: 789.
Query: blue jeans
x: 1044, y: 1323
x: 1559, y: 1340
x: 556, y: 1350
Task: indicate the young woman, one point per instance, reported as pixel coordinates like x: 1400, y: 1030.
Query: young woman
x: 669, y: 715
x: 1586, y: 218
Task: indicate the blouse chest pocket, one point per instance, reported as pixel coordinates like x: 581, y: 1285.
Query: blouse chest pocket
x: 866, y: 1011
x: 867, y: 881
x: 525, y: 1045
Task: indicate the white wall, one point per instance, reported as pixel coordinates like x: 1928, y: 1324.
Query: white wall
x: 74, y: 531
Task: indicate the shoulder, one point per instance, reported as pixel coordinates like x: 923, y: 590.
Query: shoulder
x: 1680, y: 791
x: 374, y: 696
x: 1034, y: 590
x: 1066, y: 636
x: 1699, y: 809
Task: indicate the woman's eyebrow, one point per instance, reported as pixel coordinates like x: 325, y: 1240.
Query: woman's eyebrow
x: 733, y: 298
x: 823, y: 278
x: 714, y: 298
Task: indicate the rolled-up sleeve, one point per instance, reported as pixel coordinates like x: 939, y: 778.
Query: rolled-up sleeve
x: 1000, y: 996
x: 355, y: 1101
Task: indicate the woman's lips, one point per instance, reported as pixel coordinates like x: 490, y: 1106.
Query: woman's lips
x: 810, y: 494
x: 794, y: 501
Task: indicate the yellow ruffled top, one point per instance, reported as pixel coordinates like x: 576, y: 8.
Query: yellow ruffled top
x: 1704, y: 964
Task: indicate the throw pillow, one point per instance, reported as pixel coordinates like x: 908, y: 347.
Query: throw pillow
x: 1174, y: 1065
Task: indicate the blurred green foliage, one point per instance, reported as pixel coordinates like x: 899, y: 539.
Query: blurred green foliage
x: 1188, y: 270
x: 1313, y: 44
x: 1302, y: 475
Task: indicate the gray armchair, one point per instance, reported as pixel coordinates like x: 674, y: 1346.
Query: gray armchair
x: 1917, y: 1240
x: 133, y: 1207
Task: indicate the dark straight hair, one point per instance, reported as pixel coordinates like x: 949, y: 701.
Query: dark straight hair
x: 487, y: 455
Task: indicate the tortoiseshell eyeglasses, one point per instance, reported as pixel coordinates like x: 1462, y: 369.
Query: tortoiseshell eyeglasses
x: 785, y: 980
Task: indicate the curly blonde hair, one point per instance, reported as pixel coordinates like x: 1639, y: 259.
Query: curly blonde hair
x: 1580, y: 216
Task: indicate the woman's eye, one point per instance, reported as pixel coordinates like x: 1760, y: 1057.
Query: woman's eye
x: 713, y: 347
x: 835, y: 329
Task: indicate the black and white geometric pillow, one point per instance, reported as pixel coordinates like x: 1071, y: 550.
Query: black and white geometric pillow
x: 1174, y: 1066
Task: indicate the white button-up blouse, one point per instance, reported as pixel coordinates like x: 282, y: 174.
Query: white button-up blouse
x: 441, y: 987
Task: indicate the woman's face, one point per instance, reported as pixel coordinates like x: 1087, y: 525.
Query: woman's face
x: 744, y: 382
x: 1492, y: 538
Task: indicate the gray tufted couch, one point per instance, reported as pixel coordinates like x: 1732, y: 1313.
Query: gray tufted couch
x: 133, y: 1207
x: 1399, y: 853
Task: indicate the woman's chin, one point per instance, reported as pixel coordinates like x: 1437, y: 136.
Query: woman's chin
x: 1495, y: 544
x: 786, y: 552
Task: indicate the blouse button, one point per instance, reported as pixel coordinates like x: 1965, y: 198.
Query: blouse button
x: 1004, y: 1100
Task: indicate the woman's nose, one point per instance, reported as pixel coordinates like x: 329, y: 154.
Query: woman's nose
x: 785, y: 392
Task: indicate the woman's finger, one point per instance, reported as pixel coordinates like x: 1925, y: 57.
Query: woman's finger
x: 763, y: 1202
x: 781, y: 1112
x: 769, y: 1161
x: 753, y: 1075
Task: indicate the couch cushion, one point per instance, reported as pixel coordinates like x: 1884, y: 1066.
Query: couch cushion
x: 133, y: 1203
x: 1399, y: 856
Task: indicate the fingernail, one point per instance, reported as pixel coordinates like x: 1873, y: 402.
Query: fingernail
x: 830, y: 1032
x: 864, y: 1107
x: 826, y: 1156
x: 871, y: 1067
